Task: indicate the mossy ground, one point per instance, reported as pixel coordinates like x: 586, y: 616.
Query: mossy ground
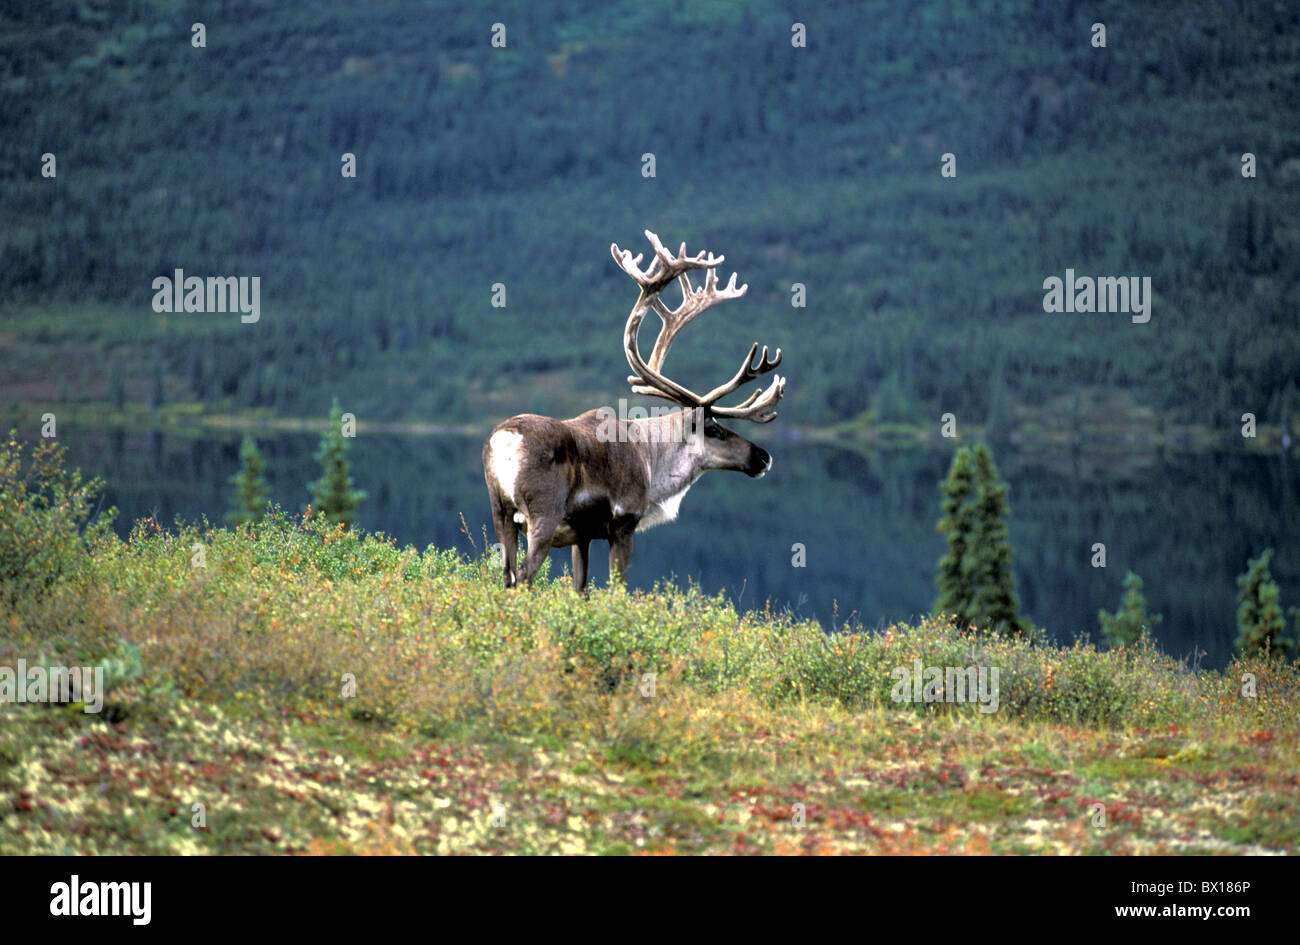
x: 488, y: 721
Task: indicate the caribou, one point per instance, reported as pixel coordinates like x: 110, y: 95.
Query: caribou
x: 601, y: 476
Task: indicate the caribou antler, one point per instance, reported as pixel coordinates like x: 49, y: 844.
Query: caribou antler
x: 757, y: 406
x: 649, y: 377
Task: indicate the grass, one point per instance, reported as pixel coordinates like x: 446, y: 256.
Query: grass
x: 492, y: 721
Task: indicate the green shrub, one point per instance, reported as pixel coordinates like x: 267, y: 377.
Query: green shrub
x: 279, y: 611
x: 46, y: 519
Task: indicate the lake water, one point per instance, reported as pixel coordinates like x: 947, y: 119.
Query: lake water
x: 1185, y: 522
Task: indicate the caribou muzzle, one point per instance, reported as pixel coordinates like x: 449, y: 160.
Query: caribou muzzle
x: 760, y: 461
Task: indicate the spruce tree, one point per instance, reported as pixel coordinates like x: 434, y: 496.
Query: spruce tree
x: 989, y: 555
x: 156, y: 395
x: 998, y: 418
x: 956, y: 597
x: 892, y: 404
x: 1260, y: 623
x: 1131, y: 622
x: 116, y: 383
x: 251, y: 492
x: 332, y: 493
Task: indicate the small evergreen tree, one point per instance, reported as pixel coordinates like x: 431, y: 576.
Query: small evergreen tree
x: 1131, y: 622
x: 956, y: 526
x: 1260, y: 623
x: 116, y: 383
x: 194, y: 374
x: 332, y: 493
x: 998, y: 419
x: 1252, y: 243
x: 989, y: 555
x: 156, y: 394
x: 251, y: 492
x: 892, y: 405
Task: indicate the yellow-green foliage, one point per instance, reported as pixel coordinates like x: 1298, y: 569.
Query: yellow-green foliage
x: 44, y: 510
x: 230, y: 655
x: 284, y: 609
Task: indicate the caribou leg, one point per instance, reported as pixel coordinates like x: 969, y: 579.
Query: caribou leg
x: 540, y: 531
x: 620, y: 552
x: 581, y: 562
x: 508, y: 539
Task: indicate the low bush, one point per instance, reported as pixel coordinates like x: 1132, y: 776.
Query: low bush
x: 47, y: 518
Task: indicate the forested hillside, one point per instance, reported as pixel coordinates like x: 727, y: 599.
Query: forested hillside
x: 519, y: 165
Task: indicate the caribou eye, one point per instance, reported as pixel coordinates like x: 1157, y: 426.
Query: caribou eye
x: 713, y: 430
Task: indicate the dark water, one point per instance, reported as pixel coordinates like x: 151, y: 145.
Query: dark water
x: 1186, y: 522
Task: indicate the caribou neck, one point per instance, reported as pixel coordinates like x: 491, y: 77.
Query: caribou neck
x: 673, y: 455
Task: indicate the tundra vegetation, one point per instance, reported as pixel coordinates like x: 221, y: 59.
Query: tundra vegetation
x: 313, y: 688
